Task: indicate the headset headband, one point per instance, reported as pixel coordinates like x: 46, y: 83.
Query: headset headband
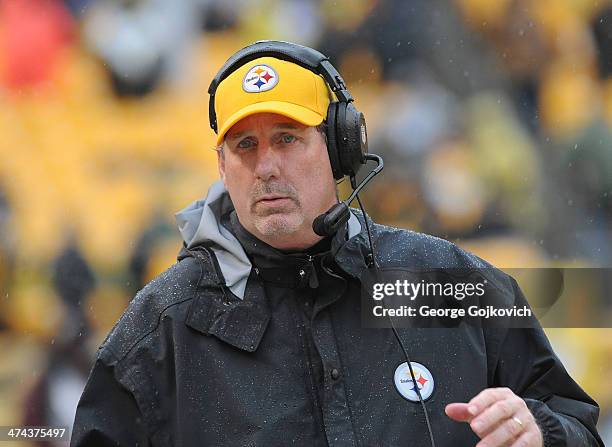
x: 306, y: 57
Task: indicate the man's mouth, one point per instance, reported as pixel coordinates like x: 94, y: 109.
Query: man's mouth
x: 273, y: 200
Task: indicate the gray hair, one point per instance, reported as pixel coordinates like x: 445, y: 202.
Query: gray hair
x: 322, y: 129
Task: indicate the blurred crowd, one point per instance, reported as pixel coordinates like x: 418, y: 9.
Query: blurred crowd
x: 494, y: 119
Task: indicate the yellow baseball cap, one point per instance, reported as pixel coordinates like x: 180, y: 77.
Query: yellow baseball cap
x: 271, y: 85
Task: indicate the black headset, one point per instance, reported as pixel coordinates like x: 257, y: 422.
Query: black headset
x: 347, y: 141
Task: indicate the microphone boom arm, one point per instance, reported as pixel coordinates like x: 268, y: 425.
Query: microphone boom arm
x: 356, y: 189
x: 328, y: 223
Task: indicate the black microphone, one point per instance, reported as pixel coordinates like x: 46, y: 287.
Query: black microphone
x: 330, y: 222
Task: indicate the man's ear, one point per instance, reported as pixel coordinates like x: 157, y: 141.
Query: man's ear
x: 221, y: 163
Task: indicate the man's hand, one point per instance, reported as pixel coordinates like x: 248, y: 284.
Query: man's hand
x: 500, y: 418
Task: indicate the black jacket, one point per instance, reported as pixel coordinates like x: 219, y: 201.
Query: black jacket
x: 190, y: 364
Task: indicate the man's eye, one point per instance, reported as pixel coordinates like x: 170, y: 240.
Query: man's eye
x: 287, y: 138
x: 245, y: 144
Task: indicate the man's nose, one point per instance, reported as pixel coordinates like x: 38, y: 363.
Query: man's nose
x: 268, y: 162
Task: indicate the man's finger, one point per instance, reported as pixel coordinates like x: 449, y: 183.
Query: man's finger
x: 487, y: 397
x: 508, y: 430
x: 491, y: 417
x: 458, y: 412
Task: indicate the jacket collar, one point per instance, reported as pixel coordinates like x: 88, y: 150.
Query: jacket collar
x: 242, y: 322
x: 200, y: 224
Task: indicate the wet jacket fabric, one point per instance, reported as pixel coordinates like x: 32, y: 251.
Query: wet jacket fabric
x: 191, y: 364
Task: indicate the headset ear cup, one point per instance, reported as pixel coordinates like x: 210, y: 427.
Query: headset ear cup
x: 332, y: 140
x: 352, y: 139
x: 359, y: 132
x: 342, y: 138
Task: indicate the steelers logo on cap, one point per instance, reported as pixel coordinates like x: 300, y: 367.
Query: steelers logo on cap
x: 260, y: 78
x: 407, y: 387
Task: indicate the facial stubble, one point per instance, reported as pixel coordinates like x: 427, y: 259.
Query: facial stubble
x: 276, y: 221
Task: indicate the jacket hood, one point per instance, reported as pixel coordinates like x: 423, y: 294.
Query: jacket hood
x: 200, y: 223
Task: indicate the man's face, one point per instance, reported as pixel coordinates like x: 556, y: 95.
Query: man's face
x: 279, y: 177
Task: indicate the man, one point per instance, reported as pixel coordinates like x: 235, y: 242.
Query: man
x: 255, y: 337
